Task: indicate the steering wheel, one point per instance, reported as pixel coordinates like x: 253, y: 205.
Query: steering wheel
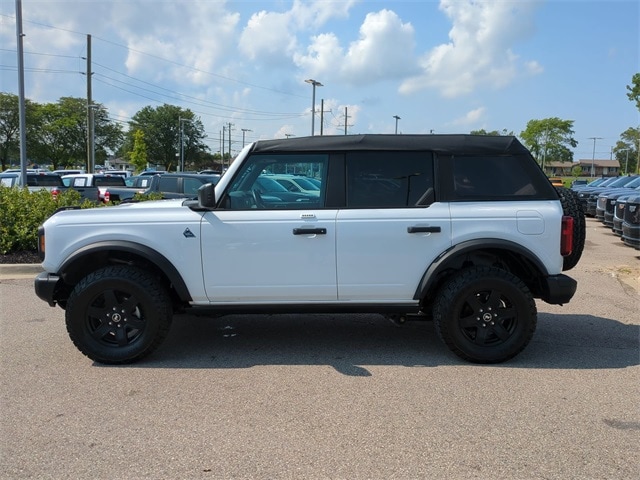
x: 257, y: 198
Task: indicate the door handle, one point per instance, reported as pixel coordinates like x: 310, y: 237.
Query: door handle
x: 416, y: 229
x: 309, y: 231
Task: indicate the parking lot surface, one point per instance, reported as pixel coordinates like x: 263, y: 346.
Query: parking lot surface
x: 331, y: 396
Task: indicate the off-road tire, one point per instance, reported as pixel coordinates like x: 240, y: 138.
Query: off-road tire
x: 572, y: 207
x: 485, y: 314
x: 118, y: 314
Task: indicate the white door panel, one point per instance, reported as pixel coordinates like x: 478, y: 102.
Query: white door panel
x: 378, y: 259
x: 255, y: 256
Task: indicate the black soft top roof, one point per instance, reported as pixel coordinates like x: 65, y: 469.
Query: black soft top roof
x: 443, y: 144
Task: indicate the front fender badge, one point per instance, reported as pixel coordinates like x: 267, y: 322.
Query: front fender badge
x: 188, y: 233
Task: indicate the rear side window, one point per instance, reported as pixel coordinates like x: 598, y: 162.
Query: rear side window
x: 168, y: 184
x: 389, y: 179
x: 191, y: 186
x: 44, y: 181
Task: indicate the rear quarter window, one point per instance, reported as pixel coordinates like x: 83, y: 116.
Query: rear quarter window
x: 494, y: 177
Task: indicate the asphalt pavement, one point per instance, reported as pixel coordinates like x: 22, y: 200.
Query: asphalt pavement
x: 330, y: 396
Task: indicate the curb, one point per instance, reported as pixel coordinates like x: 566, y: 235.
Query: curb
x: 19, y: 270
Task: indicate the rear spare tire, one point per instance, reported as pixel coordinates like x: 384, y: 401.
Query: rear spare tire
x: 572, y: 207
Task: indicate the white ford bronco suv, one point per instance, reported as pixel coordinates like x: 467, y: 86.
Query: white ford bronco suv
x: 466, y: 230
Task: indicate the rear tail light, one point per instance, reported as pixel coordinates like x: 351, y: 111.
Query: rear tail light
x: 41, y: 242
x: 566, y: 236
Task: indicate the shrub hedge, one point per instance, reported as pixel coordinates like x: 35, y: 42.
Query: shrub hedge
x: 22, y: 211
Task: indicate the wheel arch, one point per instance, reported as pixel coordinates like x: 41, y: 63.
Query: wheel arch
x: 99, y: 254
x: 504, y: 254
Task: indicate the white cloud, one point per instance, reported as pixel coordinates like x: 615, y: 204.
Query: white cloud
x: 479, y: 53
x: 384, y: 50
x: 471, y: 118
x: 267, y: 37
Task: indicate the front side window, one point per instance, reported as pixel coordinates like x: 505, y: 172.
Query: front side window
x: 257, y: 184
x: 389, y: 179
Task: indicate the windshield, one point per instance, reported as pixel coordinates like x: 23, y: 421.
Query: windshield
x: 305, y: 184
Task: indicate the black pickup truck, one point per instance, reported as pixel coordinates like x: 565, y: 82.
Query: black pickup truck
x: 110, y: 187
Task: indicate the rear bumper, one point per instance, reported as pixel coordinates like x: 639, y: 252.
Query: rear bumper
x: 45, y: 286
x: 558, y: 289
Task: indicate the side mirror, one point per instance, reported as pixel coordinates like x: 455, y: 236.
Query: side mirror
x: 207, y: 196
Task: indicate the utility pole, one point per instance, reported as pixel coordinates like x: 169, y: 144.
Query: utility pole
x: 224, y: 128
x: 90, y: 123
x: 593, y: 158
x: 230, y: 125
x: 321, y: 116
x: 346, y: 120
x: 397, y: 118
x: 21, y: 100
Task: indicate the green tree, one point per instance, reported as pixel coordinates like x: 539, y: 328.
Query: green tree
x: 626, y: 150
x: 550, y: 139
x: 59, y: 133
x: 138, y: 156
x: 108, y: 134
x: 634, y: 90
x: 10, y: 128
x: 493, y: 133
x: 576, y: 171
x: 163, y: 127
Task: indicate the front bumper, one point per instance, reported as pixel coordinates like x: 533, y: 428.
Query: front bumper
x: 46, y: 285
x: 558, y: 289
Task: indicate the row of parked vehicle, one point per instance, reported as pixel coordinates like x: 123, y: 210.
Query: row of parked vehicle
x: 615, y: 201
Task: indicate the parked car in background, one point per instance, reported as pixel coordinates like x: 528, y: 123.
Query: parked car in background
x: 631, y: 222
x: 173, y: 185
x: 111, y: 188
x: 138, y: 181
x: 68, y: 171
x: 579, y: 183
x: 606, y: 202
x: 47, y: 181
x: 618, y: 213
x: 297, y: 183
x: 588, y: 196
x: 556, y: 181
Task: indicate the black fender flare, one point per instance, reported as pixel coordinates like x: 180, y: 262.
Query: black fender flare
x: 149, y: 254
x: 446, y: 258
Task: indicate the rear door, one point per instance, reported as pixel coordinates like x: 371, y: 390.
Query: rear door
x: 392, y: 229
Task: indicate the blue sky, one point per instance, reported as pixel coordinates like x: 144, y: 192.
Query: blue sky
x: 448, y: 66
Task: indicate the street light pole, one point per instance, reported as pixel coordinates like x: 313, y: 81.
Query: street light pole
x: 244, y: 130
x: 315, y: 84
x: 593, y: 158
x: 626, y: 163
x: 397, y: 118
